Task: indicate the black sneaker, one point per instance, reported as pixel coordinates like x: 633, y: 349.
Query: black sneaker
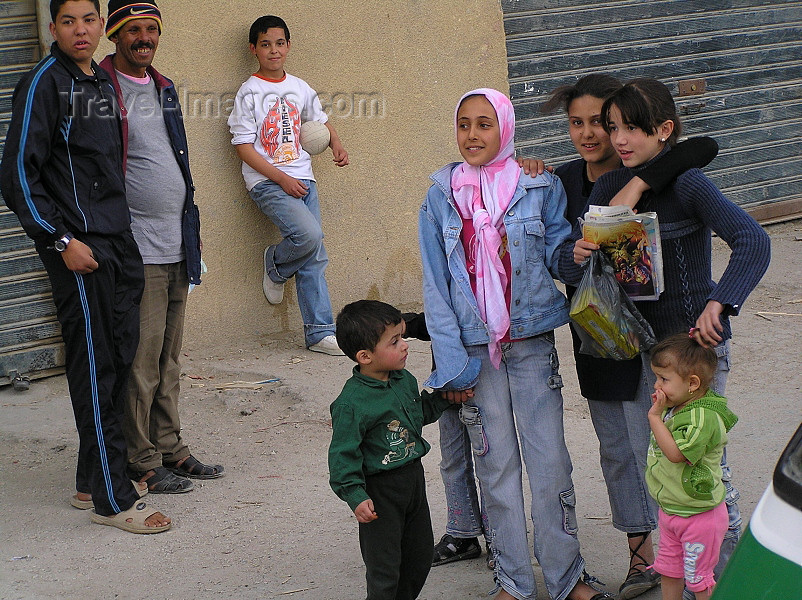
x: 451, y: 549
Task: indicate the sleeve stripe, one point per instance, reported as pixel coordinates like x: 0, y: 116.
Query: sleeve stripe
x: 697, y: 423
x: 21, y: 152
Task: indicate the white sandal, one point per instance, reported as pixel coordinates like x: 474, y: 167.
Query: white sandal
x: 132, y: 520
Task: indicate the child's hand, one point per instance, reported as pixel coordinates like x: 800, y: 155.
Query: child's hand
x: 658, y: 403
x: 533, y: 166
x: 582, y: 250
x: 294, y: 187
x: 364, y: 512
x: 457, y: 396
x: 339, y: 153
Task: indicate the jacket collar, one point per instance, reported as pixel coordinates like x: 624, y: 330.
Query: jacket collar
x: 73, y: 69
x: 442, y: 179
x: 376, y: 383
x: 160, y: 80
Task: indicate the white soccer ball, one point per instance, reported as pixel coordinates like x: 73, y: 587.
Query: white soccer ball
x: 315, y: 137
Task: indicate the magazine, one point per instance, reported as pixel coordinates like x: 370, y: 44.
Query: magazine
x: 632, y: 242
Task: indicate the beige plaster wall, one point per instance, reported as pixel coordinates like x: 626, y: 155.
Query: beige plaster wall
x: 414, y: 58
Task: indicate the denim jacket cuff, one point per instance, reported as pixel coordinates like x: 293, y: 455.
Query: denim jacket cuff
x: 466, y: 378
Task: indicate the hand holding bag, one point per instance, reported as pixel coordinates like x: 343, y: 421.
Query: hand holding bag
x: 606, y: 319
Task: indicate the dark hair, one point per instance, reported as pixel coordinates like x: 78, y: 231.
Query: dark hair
x: 687, y: 357
x: 262, y: 24
x: 461, y: 102
x: 598, y: 85
x: 55, y: 6
x: 361, y: 324
x: 645, y: 103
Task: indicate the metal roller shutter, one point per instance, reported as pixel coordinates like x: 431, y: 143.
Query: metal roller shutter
x: 30, y: 342
x: 734, y: 66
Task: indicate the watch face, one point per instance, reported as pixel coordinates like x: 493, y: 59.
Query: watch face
x: 59, y: 246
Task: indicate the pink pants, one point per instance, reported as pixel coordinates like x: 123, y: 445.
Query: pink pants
x: 689, y: 546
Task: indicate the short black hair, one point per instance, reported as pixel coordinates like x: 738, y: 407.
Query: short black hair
x: 598, y: 85
x: 262, y: 24
x: 361, y: 324
x: 55, y: 6
x: 687, y: 357
x: 645, y: 103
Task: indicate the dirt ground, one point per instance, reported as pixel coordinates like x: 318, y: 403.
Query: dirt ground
x: 272, y: 528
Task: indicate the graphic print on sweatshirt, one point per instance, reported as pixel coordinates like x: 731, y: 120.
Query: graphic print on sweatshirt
x: 280, y: 132
x: 398, y: 441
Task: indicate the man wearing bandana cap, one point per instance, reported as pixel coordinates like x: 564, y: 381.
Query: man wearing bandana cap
x: 167, y: 230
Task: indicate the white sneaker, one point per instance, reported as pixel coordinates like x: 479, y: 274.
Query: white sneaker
x: 328, y: 345
x: 274, y: 292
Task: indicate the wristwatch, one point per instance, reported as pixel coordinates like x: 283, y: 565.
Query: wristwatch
x: 60, y: 245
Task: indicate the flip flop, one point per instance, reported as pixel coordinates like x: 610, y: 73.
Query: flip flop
x: 87, y: 504
x: 137, y: 515
x: 81, y: 504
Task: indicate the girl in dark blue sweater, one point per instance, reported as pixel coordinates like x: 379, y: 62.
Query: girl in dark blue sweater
x: 643, y: 125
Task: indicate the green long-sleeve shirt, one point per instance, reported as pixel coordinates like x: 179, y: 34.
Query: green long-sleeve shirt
x: 377, y: 426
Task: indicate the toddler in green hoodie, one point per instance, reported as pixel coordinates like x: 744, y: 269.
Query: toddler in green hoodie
x: 689, y: 425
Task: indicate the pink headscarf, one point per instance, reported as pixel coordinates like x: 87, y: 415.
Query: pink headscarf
x: 483, y: 194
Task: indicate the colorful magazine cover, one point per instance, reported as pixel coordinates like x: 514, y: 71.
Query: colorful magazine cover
x: 632, y: 242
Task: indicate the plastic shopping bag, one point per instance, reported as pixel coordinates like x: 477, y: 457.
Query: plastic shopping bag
x: 606, y: 319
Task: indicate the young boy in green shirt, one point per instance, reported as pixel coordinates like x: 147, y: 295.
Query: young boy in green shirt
x: 376, y: 447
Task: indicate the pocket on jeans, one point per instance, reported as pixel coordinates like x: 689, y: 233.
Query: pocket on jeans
x: 568, y: 501
x: 555, y: 379
x: 472, y: 419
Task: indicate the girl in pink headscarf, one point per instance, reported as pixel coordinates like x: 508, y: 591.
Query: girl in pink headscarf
x: 490, y: 239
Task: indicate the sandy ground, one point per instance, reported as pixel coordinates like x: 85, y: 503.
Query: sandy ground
x: 272, y: 528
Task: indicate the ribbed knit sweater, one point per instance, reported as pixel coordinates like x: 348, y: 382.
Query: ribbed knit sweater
x: 687, y: 212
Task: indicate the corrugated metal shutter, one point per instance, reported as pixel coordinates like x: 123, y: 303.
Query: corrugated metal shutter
x: 30, y: 342
x: 748, y: 52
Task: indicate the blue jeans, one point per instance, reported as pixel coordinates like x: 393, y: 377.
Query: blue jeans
x: 465, y: 519
x: 299, y: 253
x: 623, y: 430
x: 733, y: 511
x: 525, y: 390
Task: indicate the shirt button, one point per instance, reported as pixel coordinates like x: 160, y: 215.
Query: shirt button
x: 517, y: 271
x: 180, y: 151
x: 516, y: 243
x: 517, y: 302
x: 511, y: 213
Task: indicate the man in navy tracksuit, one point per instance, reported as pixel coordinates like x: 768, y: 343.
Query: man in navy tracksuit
x: 62, y: 175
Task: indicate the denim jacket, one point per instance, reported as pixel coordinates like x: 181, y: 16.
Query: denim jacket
x: 536, y: 228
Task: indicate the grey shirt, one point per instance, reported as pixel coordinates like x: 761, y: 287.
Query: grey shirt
x: 154, y: 183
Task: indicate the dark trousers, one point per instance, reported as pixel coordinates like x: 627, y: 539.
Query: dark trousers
x: 99, y: 316
x: 398, y: 547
